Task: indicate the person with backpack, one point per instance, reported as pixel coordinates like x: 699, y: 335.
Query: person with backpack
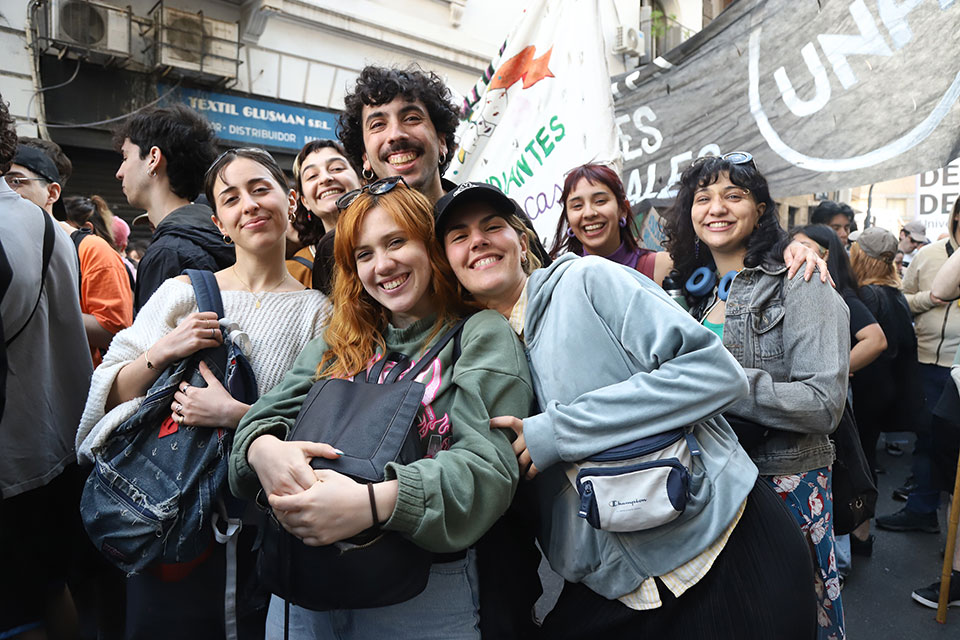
x: 323, y: 174
x: 279, y: 317
x: 393, y: 293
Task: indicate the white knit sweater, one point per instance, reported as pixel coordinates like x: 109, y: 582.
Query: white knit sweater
x: 278, y: 331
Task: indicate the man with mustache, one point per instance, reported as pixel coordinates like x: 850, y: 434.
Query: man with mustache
x: 401, y: 122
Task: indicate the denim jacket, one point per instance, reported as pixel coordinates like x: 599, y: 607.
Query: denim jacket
x: 792, y: 339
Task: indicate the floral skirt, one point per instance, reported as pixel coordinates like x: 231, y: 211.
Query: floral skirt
x: 810, y: 499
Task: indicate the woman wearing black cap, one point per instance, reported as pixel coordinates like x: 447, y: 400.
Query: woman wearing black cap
x: 733, y: 564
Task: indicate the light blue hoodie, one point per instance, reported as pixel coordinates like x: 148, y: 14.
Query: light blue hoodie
x: 613, y: 360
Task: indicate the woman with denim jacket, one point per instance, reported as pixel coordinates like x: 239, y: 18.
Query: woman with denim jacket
x: 251, y: 201
x: 724, y: 223
x: 613, y: 360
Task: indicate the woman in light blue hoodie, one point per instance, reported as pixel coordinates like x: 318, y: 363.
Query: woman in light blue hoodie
x: 614, y: 360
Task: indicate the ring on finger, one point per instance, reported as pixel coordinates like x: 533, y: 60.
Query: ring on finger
x: 179, y: 409
x: 178, y: 419
x: 183, y: 389
x: 213, y: 333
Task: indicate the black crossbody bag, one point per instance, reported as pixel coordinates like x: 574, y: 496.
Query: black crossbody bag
x: 372, y: 423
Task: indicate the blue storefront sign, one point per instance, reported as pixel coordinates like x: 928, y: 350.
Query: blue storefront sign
x: 256, y: 122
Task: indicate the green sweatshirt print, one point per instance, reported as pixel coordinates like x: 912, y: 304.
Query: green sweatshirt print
x: 446, y: 502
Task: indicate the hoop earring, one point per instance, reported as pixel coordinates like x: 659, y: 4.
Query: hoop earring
x: 153, y: 173
x: 227, y: 239
x: 570, y: 233
x: 623, y: 222
x: 443, y: 158
x: 366, y: 177
x: 291, y: 217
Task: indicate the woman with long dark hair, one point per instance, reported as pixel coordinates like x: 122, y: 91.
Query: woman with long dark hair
x: 323, y: 174
x: 250, y: 199
x: 725, y: 239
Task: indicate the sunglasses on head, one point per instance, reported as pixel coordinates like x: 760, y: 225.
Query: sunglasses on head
x: 378, y: 188
x: 734, y: 157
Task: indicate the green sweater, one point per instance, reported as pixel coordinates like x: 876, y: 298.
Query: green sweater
x: 446, y: 502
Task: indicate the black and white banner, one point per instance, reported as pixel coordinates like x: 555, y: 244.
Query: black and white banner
x: 825, y: 94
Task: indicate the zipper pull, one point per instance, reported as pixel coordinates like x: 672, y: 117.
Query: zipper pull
x: 586, y: 497
x: 692, y: 443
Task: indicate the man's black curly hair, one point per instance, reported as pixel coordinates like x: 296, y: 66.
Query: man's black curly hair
x: 185, y: 138
x: 380, y: 85
x: 8, y: 137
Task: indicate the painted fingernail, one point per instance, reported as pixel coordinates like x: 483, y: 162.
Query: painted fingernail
x: 338, y: 452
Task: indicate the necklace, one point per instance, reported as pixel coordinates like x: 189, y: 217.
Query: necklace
x: 256, y: 297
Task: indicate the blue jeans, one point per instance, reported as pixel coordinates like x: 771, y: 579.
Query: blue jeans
x: 448, y: 609
x: 926, y: 497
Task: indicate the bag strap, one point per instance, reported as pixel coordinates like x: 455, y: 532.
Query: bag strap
x: 453, y: 332
x: 49, y: 237
x: 374, y: 372
x: 206, y: 290
x: 308, y: 264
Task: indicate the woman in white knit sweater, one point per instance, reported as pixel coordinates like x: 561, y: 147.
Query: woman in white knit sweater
x: 252, y: 204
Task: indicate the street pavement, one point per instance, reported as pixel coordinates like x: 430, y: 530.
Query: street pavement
x: 876, y: 597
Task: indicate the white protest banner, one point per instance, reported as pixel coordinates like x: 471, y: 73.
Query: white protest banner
x: 937, y: 191
x: 548, y: 108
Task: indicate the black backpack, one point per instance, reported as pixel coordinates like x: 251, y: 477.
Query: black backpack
x: 157, y: 486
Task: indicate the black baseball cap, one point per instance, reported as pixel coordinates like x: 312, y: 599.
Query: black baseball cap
x: 488, y: 194
x: 38, y: 162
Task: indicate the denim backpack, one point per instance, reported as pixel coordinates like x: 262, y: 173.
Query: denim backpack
x: 157, y: 487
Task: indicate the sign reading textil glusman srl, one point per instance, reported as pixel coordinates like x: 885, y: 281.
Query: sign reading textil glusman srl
x: 256, y: 122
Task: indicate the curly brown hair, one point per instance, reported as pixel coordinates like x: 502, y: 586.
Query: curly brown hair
x: 8, y: 137
x: 380, y: 85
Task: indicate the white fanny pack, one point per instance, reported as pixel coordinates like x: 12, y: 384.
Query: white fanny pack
x: 636, y: 486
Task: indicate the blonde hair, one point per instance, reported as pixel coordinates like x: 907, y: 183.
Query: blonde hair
x: 871, y: 270
x: 358, y: 321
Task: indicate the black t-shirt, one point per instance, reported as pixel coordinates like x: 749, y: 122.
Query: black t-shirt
x: 860, y: 315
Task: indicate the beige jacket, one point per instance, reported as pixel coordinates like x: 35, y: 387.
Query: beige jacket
x: 937, y: 326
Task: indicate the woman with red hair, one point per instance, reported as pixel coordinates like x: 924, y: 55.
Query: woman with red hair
x: 394, y: 291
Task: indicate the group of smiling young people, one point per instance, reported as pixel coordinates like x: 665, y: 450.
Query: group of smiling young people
x: 564, y: 355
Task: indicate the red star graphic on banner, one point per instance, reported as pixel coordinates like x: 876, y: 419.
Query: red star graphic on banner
x: 522, y: 66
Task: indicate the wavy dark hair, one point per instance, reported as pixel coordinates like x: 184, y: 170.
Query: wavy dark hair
x: 8, y: 137
x: 838, y: 264
x: 594, y: 174
x: 765, y: 244
x: 186, y: 139
x: 309, y: 227
x: 380, y: 85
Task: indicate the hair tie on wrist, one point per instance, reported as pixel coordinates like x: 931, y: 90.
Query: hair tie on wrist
x: 373, y: 505
x: 146, y: 357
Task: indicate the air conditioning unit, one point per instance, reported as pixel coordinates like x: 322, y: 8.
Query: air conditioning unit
x: 92, y: 25
x: 629, y: 41
x: 194, y: 42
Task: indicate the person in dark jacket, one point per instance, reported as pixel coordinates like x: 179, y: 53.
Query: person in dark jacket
x: 166, y: 152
